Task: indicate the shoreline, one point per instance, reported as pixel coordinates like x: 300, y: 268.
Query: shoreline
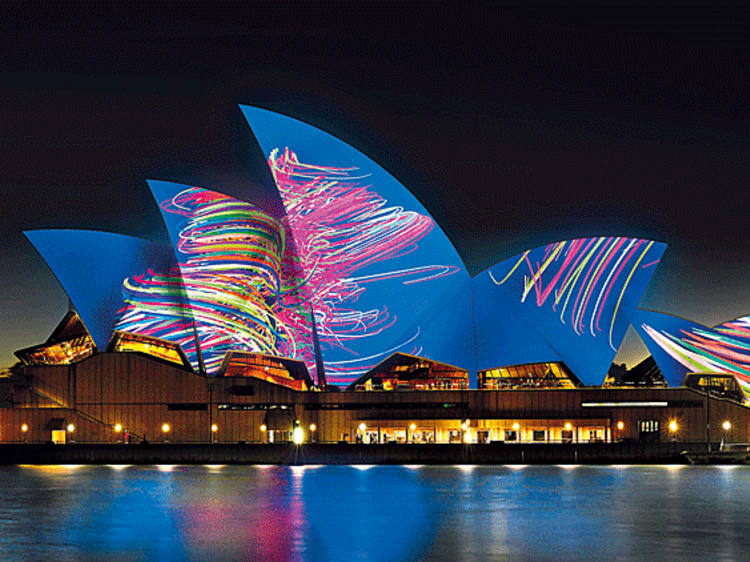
x: 349, y: 454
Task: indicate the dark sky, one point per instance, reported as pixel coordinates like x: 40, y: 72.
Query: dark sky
x: 514, y: 124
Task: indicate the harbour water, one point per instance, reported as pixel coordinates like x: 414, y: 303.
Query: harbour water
x: 380, y: 513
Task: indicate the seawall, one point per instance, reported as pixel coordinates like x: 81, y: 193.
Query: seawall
x: 330, y: 453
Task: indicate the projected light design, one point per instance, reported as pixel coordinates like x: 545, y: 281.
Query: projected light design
x: 353, y: 258
x: 230, y: 268
x: 684, y: 347
x: 569, y: 300
x: 578, y: 278
x: 246, y: 291
x: 340, y: 228
x: 379, y: 275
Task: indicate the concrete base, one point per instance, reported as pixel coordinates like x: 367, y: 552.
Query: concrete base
x: 342, y: 454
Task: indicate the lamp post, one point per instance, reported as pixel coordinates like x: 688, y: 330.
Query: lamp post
x: 412, y: 427
x: 24, y: 430
x: 297, y: 435
x: 673, y: 427
x: 165, y: 430
x: 263, y: 433
x: 312, y: 432
x: 71, y: 428
x: 466, y: 432
x: 214, y: 429
x: 726, y: 426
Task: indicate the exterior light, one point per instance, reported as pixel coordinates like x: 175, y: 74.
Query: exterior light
x: 312, y: 427
x: 727, y: 425
x: 516, y: 426
x: 568, y: 426
x: 165, y: 428
x: 620, y: 425
x: 413, y: 427
x: 118, y: 428
x: 71, y: 428
x: 465, y: 425
x: 24, y: 428
x: 214, y: 428
x: 263, y: 427
x: 362, y: 426
x: 467, y: 436
x: 673, y: 426
x: 297, y: 435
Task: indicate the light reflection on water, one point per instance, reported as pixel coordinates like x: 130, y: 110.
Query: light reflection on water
x: 382, y: 513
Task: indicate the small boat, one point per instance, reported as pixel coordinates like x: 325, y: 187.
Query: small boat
x: 730, y: 453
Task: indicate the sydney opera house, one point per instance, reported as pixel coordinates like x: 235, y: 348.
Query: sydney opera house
x: 349, y: 315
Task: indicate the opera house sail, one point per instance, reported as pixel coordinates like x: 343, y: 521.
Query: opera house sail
x: 230, y: 332
x: 353, y: 271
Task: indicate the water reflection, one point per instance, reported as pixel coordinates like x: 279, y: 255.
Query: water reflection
x: 382, y: 513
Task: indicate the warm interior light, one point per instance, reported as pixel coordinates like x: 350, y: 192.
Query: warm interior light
x: 118, y: 428
x: 727, y: 425
x: 165, y: 428
x: 71, y: 428
x: 620, y: 425
x: 673, y: 426
x: 214, y: 428
x: 467, y: 436
x: 297, y: 435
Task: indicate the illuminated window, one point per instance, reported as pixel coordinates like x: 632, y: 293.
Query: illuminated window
x: 533, y: 375
x: 650, y: 426
x: 162, y: 349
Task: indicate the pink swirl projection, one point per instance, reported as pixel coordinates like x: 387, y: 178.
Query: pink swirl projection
x: 249, y: 286
x: 340, y: 225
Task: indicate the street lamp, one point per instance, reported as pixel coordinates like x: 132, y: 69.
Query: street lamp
x: 165, y: 429
x: 297, y: 435
x: 673, y: 427
x: 412, y: 427
x: 312, y: 432
x: 214, y: 429
x: 263, y: 429
x: 24, y: 429
x: 467, y: 432
x: 726, y: 426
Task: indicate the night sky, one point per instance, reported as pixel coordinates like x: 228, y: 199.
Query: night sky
x: 514, y: 125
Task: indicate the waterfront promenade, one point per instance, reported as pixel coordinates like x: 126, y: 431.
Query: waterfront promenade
x: 340, y: 454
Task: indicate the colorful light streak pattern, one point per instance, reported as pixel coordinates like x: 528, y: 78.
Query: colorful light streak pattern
x: 568, y: 300
x: 687, y: 347
x: 230, y: 262
x: 248, y: 290
x: 341, y: 226
x: 359, y: 252
x: 582, y: 276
